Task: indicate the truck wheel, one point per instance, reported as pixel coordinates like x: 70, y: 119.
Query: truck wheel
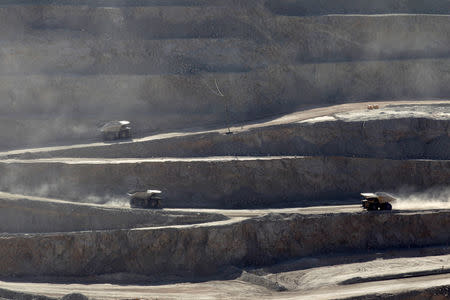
x: 388, y: 206
x: 154, y: 203
x: 136, y: 203
x: 373, y: 206
x: 124, y: 134
x: 385, y: 206
x: 158, y: 204
x: 107, y: 136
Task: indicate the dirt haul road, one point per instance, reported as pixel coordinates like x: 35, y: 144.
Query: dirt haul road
x: 306, y: 278
x: 285, y: 119
x: 246, y: 288
x: 313, y: 282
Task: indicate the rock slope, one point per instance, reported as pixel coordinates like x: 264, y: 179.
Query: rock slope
x: 223, y: 182
x: 204, y: 250
x: 67, y: 67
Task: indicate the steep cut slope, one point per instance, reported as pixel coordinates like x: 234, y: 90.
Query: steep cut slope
x: 222, y: 182
x: 67, y: 67
x: 323, y: 7
x: 206, y: 248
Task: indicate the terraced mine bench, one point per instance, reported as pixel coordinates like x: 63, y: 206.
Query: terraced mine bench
x: 205, y: 249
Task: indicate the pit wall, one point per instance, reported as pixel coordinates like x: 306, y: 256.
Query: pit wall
x: 22, y: 215
x: 409, y: 138
x: 282, y: 40
x: 66, y: 69
x: 204, y: 250
x: 156, y: 101
x: 230, y: 182
x: 324, y: 7
x: 237, y: 19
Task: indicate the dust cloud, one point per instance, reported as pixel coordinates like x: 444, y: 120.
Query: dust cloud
x: 430, y: 199
x: 55, y: 191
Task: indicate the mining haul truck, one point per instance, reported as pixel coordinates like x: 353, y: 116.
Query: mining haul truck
x: 116, y: 130
x: 145, y: 199
x: 377, y: 201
